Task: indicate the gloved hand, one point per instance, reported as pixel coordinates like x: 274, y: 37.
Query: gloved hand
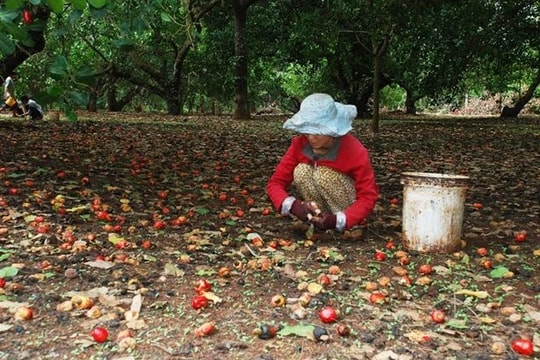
x: 325, y: 221
x: 300, y: 209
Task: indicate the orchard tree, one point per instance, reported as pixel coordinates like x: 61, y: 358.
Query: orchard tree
x: 157, y: 39
x: 240, y: 8
x: 513, y: 51
x: 431, y: 56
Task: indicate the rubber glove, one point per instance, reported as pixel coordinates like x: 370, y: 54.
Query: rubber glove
x: 325, y: 221
x: 300, y: 209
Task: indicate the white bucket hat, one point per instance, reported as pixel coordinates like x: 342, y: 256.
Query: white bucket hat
x: 320, y: 115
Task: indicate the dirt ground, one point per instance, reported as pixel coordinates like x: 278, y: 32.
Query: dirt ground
x: 115, y: 221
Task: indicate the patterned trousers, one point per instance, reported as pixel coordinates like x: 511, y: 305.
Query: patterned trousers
x: 331, y: 190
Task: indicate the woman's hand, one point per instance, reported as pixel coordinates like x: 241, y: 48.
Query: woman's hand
x: 325, y: 221
x: 302, y: 210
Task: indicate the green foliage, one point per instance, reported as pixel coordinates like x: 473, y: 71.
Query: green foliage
x: 437, y: 51
x: 56, y: 5
x: 393, y: 97
x: 6, y: 45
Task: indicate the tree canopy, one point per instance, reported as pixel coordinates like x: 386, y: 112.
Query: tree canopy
x: 214, y: 55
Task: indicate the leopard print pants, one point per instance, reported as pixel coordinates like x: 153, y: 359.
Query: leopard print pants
x: 331, y: 190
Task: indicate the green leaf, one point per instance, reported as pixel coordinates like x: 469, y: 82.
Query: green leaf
x: 16, y: 175
x: 79, y: 4
x: 54, y: 91
x: 14, y: 4
x: 77, y: 208
x: 299, y: 330
x: 56, y: 5
x: 84, y: 72
x: 171, y: 269
x: 205, y: 272
x: 6, y: 254
x: 115, y: 238
x: 202, y: 211
x: 29, y: 218
x: 165, y: 17
x: 150, y: 258
x: 9, y: 271
x: 59, y: 68
x: 70, y: 114
x: 230, y: 222
x: 97, y: 3
x: 498, y: 272
x: 457, y: 324
x: 6, y: 45
x: 124, y: 44
x: 310, y: 231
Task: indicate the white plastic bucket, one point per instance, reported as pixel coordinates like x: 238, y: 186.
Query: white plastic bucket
x: 433, y: 207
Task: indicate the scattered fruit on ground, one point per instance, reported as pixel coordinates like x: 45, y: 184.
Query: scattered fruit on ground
x: 523, y: 346
x: 328, y: 314
x: 438, y: 316
x: 100, y: 334
x: 199, y: 302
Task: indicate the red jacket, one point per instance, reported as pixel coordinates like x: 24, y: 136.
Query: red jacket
x: 352, y: 160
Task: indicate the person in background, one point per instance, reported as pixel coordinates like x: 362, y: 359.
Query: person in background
x: 31, y: 108
x: 9, y: 85
x: 329, y: 168
x: 10, y: 100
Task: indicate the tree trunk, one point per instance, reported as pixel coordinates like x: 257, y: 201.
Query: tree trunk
x: 377, y: 66
x: 174, y: 102
x: 241, y: 69
x: 410, y: 107
x: 378, y: 55
x: 91, y: 106
x: 523, y: 100
x: 362, y: 104
x: 95, y: 92
x: 127, y: 98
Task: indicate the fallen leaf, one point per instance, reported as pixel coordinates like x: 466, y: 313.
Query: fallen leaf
x: 100, y: 264
x: 136, y: 303
x: 487, y: 320
x: 171, y: 269
x: 9, y: 271
x: 314, y: 288
x: 115, y: 238
x: 498, y: 272
x: 212, y: 297
x: 419, y: 336
x: 457, y: 324
x: 11, y: 306
x: 303, y: 330
x: 135, y: 324
x: 92, y: 293
x: 5, y: 327
x: 478, y: 294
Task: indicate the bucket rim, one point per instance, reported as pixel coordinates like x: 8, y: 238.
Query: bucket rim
x: 434, y: 175
x: 434, y: 179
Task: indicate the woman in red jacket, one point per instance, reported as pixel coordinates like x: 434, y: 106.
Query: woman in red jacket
x: 329, y: 168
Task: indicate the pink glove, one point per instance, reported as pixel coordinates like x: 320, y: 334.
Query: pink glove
x: 325, y: 221
x: 300, y: 209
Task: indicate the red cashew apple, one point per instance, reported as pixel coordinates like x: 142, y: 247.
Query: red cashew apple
x: 328, y: 314
x: 100, y: 334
